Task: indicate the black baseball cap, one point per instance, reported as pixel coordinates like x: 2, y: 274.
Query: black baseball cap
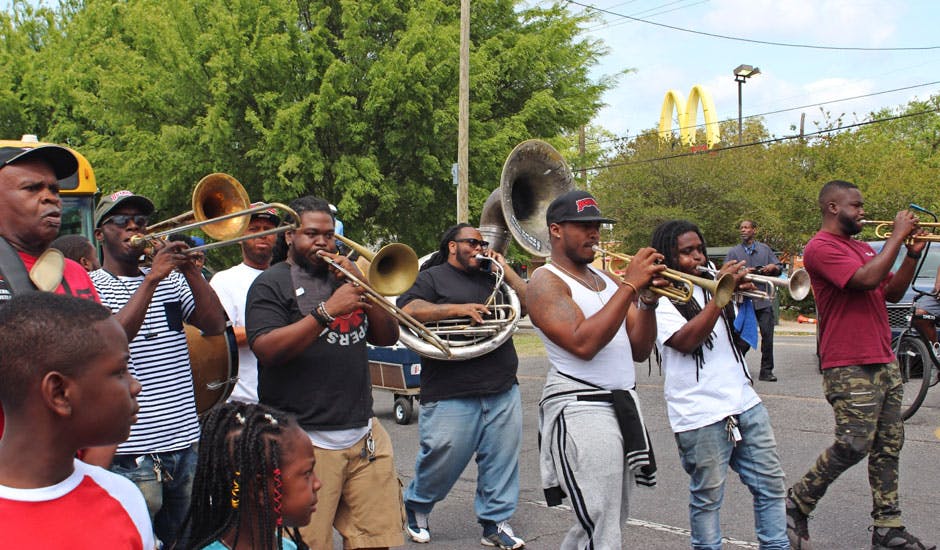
x: 62, y: 161
x: 112, y: 201
x: 575, y: 206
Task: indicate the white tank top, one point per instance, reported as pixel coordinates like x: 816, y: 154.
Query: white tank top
x: 612, y: 368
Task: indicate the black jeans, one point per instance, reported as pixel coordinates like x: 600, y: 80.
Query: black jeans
x: 765, y: 321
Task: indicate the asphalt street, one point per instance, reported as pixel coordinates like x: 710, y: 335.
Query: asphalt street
x: 803, y: 426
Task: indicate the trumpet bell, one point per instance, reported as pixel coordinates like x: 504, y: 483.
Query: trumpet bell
x: 218, y: 195
x: 799, y: 285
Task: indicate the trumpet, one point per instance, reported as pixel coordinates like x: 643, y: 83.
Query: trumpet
x: 798, y: 284
x: 883, y: 230
x: 681, y: 290
x: 393, y: 269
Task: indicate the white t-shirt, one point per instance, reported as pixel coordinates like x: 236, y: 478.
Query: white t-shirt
x: 722, y: 389
x: 231, y: 285
x: 92, y: 508
x: 612, y: 368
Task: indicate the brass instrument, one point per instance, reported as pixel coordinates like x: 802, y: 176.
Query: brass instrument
x: 221, y: 209
x: 681, y: 290
x: 393, y: 270
x: 798, y: 284
x: 533, y: 175
x: 882, y: 230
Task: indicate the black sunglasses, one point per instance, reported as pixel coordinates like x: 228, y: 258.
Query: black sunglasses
x: 473, y: 242
x: 121, y: 220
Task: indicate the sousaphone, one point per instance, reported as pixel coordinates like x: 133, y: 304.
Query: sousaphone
x: 533, y: 175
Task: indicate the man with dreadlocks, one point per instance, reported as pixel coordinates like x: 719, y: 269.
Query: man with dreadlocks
x: 717, y: 417
x: 467, y: 407
x: 593, y: 442
x: 309, y: 327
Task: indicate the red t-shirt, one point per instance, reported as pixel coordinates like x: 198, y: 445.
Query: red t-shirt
x: 854, y: 327
x: 91, y: 509
x: 75, y: 281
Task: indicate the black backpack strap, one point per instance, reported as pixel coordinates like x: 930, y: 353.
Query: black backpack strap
x: 13, y: 270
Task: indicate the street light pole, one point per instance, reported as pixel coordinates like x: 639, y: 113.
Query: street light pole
x: 741, y: 74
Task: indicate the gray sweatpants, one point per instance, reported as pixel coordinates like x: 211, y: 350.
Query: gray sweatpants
x: 594, y: 474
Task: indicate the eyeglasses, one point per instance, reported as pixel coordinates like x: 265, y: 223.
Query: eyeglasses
x: 473, y: 242
x: 121, y: 220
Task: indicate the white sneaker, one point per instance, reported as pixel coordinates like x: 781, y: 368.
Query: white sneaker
x: 503, y: 538
x: 418, y: 526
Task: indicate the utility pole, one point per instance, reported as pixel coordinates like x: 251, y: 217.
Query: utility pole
x: 463, y: 117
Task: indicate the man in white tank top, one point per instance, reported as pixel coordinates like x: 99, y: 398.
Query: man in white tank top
x: 594, y: 445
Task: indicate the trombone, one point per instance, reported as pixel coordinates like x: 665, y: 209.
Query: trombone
x: 798, y: 284
x: 681, y: 290
x: 221, y: 209
x: 883, y: 230
x: 392, y: 271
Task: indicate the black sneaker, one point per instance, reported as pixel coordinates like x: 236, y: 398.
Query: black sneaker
x: 767, y: 377
x: 797, y: 529
x: 896, y: 538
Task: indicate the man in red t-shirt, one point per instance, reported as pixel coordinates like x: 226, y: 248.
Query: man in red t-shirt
x: 861, y: 378
x: 30, y: 216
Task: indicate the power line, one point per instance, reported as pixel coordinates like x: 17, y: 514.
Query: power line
x: 752, y: 41
x: 619, y: 138
x: 762, y: 142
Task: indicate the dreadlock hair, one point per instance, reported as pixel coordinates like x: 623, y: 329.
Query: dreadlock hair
x: 240, y: 453
x: 443, y: 250
x: 665, y: 240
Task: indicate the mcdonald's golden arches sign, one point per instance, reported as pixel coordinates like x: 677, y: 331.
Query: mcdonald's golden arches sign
x: 687, y: 115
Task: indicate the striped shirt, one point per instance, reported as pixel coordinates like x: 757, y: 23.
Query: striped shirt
x: 167, y: 420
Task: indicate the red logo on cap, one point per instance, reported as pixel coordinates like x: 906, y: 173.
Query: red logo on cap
x: 120, y: 194
x: 584, y: 203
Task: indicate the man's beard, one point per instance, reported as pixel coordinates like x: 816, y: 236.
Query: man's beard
x: 258, y: 258
x: 849, y: 225
x: 464, y: 261
x: 319, y: 268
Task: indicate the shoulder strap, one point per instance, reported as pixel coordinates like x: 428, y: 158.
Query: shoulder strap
x: 13, y: 270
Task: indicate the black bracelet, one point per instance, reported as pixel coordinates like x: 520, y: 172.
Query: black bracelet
x: 913, y: 256
x: 320, y: 318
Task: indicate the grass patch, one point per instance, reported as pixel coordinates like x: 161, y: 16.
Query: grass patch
x: 528, y: 344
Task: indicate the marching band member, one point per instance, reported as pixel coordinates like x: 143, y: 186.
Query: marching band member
x: 594, y: 445
x: 309, y: 329
x: 152, y: 304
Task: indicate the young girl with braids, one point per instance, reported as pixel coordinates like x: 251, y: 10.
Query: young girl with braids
x: 717, y: 417
x: 254, y: 480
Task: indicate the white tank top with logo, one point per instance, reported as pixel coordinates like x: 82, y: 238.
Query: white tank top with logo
x: 612, y: 368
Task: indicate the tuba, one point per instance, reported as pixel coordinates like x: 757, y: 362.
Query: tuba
x: 533, y: 175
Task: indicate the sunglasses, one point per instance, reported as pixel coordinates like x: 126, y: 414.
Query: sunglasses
x: 121, y: 220
x: 473, y: 242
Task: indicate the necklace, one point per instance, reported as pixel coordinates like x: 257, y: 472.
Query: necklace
x: 596, y: 287
x: 149, y: 334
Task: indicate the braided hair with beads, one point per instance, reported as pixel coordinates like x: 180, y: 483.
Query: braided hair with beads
x: 665, y: 240
x: 240, y: 457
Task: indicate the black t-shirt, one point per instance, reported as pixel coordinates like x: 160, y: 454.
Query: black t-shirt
x: 492, y: 373
x: 328, y: 386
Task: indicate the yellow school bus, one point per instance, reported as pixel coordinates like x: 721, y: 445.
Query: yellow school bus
x: 77, y: 192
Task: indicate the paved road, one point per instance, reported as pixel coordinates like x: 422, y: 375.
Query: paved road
x: 802, y: 422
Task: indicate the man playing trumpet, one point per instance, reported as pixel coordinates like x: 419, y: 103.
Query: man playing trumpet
x: 861, y: 378
x: 594, y: 445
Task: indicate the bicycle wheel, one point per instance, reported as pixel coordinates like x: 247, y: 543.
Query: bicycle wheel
x: 916, y: 365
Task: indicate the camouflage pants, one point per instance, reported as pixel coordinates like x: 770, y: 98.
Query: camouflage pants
x: 866, y: 401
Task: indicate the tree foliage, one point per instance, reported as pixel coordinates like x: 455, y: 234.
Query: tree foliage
x: 775, y: 182
x: 352, y: 101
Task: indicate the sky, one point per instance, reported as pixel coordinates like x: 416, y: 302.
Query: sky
x: 664, y: 58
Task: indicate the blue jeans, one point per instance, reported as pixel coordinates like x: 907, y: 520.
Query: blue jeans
x: 706, y: 454
x: 452, y: 430
x: 168, y: 498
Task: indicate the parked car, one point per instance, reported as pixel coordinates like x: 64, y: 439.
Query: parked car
x: 924, y: 281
